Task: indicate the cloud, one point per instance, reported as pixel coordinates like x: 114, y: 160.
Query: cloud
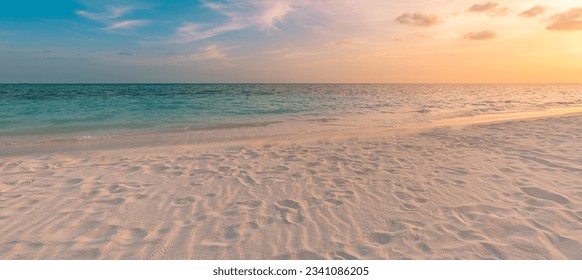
x: 489, y: 8
x: 482, y: 7
x: 110, y: 16
x: 211, y: 52
x: 240, y: 15
x: 289, y: 51
x: 126, y: 24
x: 534, y: 11
x: 191, y: 32
x: 265, y: 14
x: 481, y: 35
x: 124, y: 54
x: 340, y: 43
x: 109, y: 13
x: 570, y: 20
x: 418, y: 19
x: 272, y: 13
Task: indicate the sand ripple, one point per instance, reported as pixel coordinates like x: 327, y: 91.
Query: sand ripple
x: 490, y: 191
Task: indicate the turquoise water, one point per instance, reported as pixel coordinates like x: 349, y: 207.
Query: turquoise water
x: 48, y: 111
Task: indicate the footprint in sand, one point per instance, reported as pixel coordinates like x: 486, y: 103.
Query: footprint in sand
x: 26, y: 182
x: 543, y: 194
x: 342, y: 255
x: 133, y: 185
x: 231, y: 232
x: 158, y: 168
x: 401, y: 195
x: 133, y: 169
x: 381, y: 238
x: 494, y: 250
x: 10, y: 165
x: 74, y: 181
x: 416, y: 193
x: 425, y: 248
x: 290, y: 211
x: 184, y: 201
x: 334, y: 201
x: 338, y: 198
x: 242, y: 207
x: 112, y: 202
x: 130, y: 236
x: 238, y: 230
x: 229, y: 235
x: 301, y: 255
x: 340, y: 182
x: 116, y: 189
x: 339, y: 194
x: 96, y: 236
x: 570, y: 248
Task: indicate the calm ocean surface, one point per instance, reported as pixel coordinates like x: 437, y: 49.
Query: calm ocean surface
x: 30, y: 111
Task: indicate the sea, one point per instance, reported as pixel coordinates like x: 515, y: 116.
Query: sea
x: 40, y: 113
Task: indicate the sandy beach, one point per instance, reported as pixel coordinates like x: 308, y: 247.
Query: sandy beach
x: 495, y: 187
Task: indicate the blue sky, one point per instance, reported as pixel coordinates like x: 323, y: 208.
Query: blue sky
x: 127, y: 41
x: 290, y: 41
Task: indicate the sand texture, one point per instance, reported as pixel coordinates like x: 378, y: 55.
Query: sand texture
x: 503, y: 190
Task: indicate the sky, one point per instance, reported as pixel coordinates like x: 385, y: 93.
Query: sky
x: 284, y: 41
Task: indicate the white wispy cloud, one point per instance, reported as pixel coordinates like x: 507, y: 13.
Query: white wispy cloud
x: 340, y: 43
x: 291, y: 52
x: 111, y: 17
x: 325, y: 17
x: 272, y: 13
x: 109, y: 12
x: 125, y: 24
x: 190, y: 32
x: 211, y: 52
x: 240, y: 15
x: 265, y: 14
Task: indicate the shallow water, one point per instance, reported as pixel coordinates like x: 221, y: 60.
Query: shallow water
x: 30, y: 112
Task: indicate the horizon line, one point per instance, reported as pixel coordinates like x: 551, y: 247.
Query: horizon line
x: 289, y: 83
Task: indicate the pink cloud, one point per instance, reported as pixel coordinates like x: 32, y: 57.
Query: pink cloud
x: 534, y: 11
x: 481, y: 35
x: 489, y: 8
x: 418, y: 19
x: 570, y: 20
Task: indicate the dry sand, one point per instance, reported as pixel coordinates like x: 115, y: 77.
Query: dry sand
x: 493, y: 189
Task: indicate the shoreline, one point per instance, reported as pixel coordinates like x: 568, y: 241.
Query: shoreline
x: 275, y: 131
